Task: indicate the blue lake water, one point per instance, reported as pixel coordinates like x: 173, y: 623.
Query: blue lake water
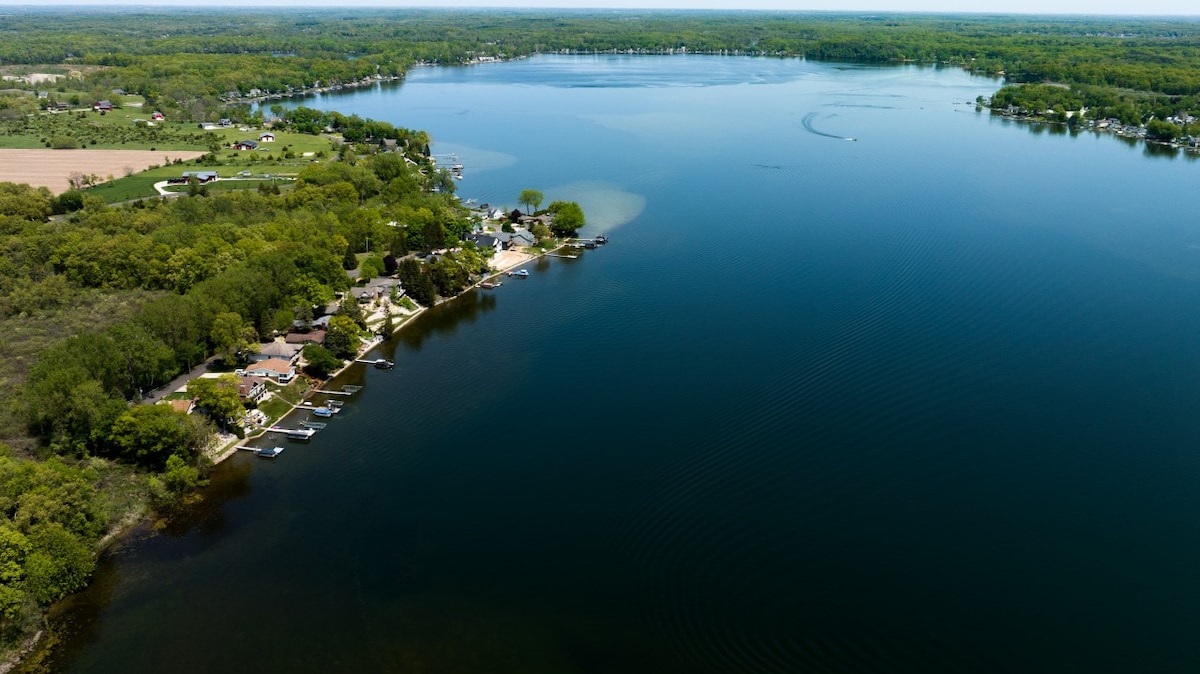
x: 920, y: 401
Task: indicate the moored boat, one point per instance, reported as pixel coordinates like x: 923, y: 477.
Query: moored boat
x: 269, y: 452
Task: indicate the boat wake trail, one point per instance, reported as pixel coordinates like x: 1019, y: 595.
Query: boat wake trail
x: 807, y: 124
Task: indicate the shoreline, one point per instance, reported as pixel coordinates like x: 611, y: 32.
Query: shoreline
x: 229, y: 448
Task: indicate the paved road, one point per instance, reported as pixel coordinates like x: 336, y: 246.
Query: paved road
x: 177, y: 383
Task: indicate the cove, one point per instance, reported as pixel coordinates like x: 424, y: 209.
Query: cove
x: 924, y: 401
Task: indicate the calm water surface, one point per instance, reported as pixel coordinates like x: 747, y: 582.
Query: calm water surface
x: 923, y: 401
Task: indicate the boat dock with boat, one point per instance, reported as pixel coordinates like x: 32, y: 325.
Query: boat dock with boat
x: 381, y: 363
x: 302, y: 434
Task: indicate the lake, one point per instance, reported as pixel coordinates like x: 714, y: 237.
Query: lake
x: 924, y: 400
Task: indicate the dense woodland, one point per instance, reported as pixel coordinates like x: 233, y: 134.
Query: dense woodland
x: 101, y: 304
x: 185, y: 61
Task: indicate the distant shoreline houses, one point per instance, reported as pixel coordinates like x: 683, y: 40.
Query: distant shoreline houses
x: 1107, y: 125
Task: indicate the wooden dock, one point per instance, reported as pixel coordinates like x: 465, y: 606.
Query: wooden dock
x: 569, y: 257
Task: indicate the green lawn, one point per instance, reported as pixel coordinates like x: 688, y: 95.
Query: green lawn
x: 126, y: 189
x: 294, y: 392
x: 274, y: 408
x: 141, y: 185
x: 229, y: 185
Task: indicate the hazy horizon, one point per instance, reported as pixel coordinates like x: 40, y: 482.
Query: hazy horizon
x: 1164, y: 8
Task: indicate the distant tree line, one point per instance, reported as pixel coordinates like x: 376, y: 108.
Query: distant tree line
x: 188, y: 61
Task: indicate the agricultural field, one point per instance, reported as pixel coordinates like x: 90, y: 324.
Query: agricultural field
x: 121, y: 129
x: 122, y: 153
x: 53, y: 168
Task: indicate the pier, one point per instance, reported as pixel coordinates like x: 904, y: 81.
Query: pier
x: 320, y: 410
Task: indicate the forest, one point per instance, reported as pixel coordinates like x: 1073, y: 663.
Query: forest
x: 100, y: 304
x: 190, y: 62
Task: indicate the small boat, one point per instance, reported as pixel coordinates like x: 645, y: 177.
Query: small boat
x: 322, y: 412
x: 384, y: 364
x: 521, y: 273
x: 335, y: 405
x: 269, y: 452
x: 295, y: 433
x: 487, y: 286
x: 589, y: 245
x: 600, y: 238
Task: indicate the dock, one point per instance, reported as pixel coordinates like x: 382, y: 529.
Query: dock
x: 569, y: 257
x: 310, y: 406
x: 316, y: 425
x: 294, y: 433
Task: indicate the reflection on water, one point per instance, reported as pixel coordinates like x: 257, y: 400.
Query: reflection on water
x: 206, y: 516
x: 444, y: 319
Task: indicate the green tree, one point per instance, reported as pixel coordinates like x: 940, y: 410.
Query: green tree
x: 350, y: 308
x: 371, y: 267
x: 415, y: 278
x: 228, y: 335
x: 320, y: 361
x: 58, y: 563
x: 150, y: 434
x: 442, y: 180
x: 349, y: 259
x: 532, y: 199
x: 342, y: 337
x: 1162, y: 130
x: 217, y: 395
x: 181, y: 476
x: 389, y: 325
x: 568, y: 218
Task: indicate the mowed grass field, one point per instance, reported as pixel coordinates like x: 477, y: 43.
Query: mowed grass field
x: 51, y: 168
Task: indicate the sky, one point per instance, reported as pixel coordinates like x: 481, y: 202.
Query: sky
x: 1086, y: 7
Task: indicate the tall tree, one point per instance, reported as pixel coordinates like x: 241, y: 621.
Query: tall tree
x: 531, y: 199
x: 219, y: 396
x: 228, y: 335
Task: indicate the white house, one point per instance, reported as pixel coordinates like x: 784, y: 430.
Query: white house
x: 275, y: 368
